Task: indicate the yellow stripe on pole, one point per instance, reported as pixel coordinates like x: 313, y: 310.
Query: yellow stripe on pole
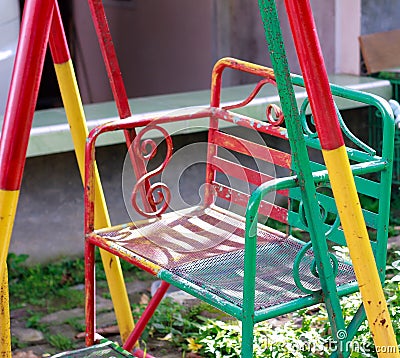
x: 353, y: 223
x: 8, y: 208
x: 76, y: 118
x: 9, y: 201
x: 5, y: 335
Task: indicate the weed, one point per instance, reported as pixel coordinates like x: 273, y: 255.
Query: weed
x: 76, y: 323
x: 15, y: 343
x: 33, y: 321
x: 60, y: 342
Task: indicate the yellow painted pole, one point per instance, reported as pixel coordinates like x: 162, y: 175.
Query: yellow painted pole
x: 351, y: 217
x: 74, y: 110
x: 5, y: 335
x: 76, y: 118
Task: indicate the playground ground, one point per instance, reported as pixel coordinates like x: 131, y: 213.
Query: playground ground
x: 54, y: 321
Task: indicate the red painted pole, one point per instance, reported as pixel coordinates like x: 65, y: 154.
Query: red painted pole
x: 110, y: 57
x: 145, y: 317
x: 314, y: 73
x: 57, y: 39
x: 20, y: 108
x: 24, y: 88
x: 23, y: 93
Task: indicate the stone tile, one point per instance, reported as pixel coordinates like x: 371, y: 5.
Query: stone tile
x: 106, y: 319
x: 103, y: 304
x: 65, y: 330
x: 25, y: 354
x: 41, y: 350
x: 394, y: 242
x: 137, y: 286
x: 63, y: 315
x: 27, y: 335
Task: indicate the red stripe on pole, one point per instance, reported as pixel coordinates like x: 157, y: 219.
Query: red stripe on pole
x: 110, y: 57
x: 314, y: 72
x: 58, y: 42
x: 24, y: 89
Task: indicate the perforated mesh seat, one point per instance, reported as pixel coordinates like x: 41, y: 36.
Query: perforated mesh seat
x: 205, y: 246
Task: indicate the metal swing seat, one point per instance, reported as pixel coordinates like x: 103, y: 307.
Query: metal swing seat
x: 232, y: 258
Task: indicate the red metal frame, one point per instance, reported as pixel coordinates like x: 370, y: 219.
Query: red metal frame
x: 216, y: 84
x: 162, y: 191
x: 216, y: 139
x: 117, y: 86
x: 23, y: 92
x: 110, y: 57
x: 57, y: 39
x: 147, y: 314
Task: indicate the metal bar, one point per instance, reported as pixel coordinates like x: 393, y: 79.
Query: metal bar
x: 90, y: 304
x: 76, y: 118
x: 145, y: 317
x: 21, y: 103
x: 125, y: 254
x: 201, y: 293
x: 252, y: 149
x: 110, y: 57
x: 335, y: 155
x: 5, y: 334
x: 272, y: 211
x: 24, y: 88
x: 239, y: 171
x: 139, y: 353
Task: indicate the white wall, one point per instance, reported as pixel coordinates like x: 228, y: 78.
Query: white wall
x: 347, y: 31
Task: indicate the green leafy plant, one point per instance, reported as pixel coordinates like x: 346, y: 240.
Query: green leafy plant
x: 76, y: 323
x: 60, y: 342
x: 172, y: 322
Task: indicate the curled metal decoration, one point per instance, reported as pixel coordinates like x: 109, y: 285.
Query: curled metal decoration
x: 334, y: 226
x: 313, y: 268
x: 252, y: 95
x: 144, y: 148
x: 158, y: 193
x: 324, y: 215
x: 303, y: 118
x: 313, y: 134
x: 276, y: 120
x: 351, y: 136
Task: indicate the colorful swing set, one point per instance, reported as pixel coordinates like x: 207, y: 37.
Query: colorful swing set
x: 214, y: 250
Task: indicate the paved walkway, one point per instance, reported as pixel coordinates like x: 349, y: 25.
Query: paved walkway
x: 56, y: 332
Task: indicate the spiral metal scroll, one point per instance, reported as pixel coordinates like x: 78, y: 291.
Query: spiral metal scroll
x: 324, y: 216
x: 313, y: 268
x: 158, y: 193
x: 276, y: 120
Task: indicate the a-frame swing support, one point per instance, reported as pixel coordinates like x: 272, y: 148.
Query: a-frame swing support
x: 41, y: 25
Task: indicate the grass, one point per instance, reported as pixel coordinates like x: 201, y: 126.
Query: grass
x: 42, y: 289
x: 51, y: 285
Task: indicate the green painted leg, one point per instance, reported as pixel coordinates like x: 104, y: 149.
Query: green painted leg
x: 356, y: 322
x: 352, y: 329
x: 247, y: 338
